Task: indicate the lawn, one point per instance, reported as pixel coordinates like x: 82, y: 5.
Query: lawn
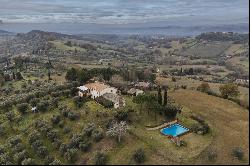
x: 229, y: 121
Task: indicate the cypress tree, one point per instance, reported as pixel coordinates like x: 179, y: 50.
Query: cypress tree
x: 159, y: 96
x: 165, y: 102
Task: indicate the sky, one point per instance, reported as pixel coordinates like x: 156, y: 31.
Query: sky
x: 124, y: 11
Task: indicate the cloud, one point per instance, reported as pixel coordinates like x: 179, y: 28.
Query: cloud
x: 119, y: 11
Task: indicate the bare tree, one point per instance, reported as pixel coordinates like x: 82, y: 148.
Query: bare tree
x: 118, y: 130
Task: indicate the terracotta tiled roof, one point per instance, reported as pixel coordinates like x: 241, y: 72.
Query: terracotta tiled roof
x: 98, y: 86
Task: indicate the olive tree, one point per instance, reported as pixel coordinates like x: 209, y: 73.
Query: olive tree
x: 117, y: 130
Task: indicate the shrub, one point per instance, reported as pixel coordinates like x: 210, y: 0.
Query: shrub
x: 2, y: 150
x: 10, y: 116
x: 18, y: 147
x: 14, y: 140
x: 55, y: 119
x: 173, y: 79
x: 100, y: 158
x: 238, y: 153
x: 64, y: 112
x: 97, y: 135
x: 22, y: 108
x: 171, y: 111
x: 2, y: 130
x: 5, y: 159
x: 48, y: 159
x: 72, y: 115
x: 34, y: 136
x: 35, y: 145
x: 57, y: 143
x: 28, y: 161
x: 56, y: 162
x: 106, y: 103
x: 63, y: 148
x: 183, y: 143
x: 19, y: 157
x: 121, y: 116
x: 139, y: 156
x: 61, y: 124
x: 204, y: 87
x: 78, y: 101
x: 52, y: 134
x: 200, y: 128
x: 42, y: 151
x: 229, y: 90
x: 109, y: 123
x: 87, y: 131
x: 212, y: 155
x: 43, y: 106
x: 55, y: 102
x: 84, y: 146
x: 66, y: 130
x: 197, y: 118
x: 184, y: 86
x: 75, y: 141
x: 70, y: 155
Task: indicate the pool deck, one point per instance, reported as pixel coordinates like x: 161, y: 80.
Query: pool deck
x: 162, y: 126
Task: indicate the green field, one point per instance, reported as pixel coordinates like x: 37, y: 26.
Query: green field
x: 61, y: 46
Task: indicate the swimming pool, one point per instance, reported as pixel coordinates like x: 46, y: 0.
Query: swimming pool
x: 174, y: 130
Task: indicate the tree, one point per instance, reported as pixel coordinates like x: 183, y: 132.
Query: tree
x: 171, y: 111
x: 97, y: 135
x: 238, y: 153
x: 84, y: 75
x: 55, y: 119
x: 117, y: 130
x: 42, y: 151
x: 56, y: 162
x: 70, y: 154
x: 22, y: 108
x: 19, y: 76
x: 159, y: 96
x: 139, y: 99
x: 139, y: 156
x: 43, y: 106
x: 78, y: 101
x: 2, y: 80
x: 121, y: 115
x: 10, y: 116
x: 204, y: 87
x: 165, y: 97
x: 28, y: 161
x: 100, y: 158
x: 34, y: 101
x: 151, y: 102
x: 155, y: 107
x: 19, y: 157
x: 68, y: 43
x: 7, y: 105
x: 229, y: 90
x: 71, y: 74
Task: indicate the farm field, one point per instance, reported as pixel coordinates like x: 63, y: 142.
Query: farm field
x: 193, y: 84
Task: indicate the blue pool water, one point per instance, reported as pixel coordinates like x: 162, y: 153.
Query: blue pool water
x: 174, y: 130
